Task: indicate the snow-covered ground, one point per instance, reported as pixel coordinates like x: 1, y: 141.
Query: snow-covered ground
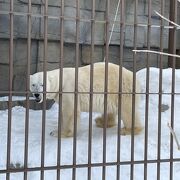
x: 34, y: 160
x: 14, y: 98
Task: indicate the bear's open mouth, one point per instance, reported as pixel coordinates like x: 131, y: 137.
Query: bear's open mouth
x: 37, y: 97
x: 38, y: 100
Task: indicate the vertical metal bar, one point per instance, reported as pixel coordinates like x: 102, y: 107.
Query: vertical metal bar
x: 61, y: 64
x: 172, y: 17
x: 91, y: 88
x: 172, y: 118
x: 160, y: 94
x: 122, y: 27
x: 133, y: 90
x: 105, y: 88
x: 147, y: 91
x: 44, y: 87
x: 27, y: 88
x: 10, y: 88
x: 172, y: 46
x: 76, y: 89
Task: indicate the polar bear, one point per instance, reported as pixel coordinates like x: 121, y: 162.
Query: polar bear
x: 68, y: 86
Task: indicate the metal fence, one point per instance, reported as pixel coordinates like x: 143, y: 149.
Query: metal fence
x: 118, y: 163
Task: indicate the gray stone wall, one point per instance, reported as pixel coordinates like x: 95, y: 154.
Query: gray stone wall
x: 53, y: 51
x: 54, y: 10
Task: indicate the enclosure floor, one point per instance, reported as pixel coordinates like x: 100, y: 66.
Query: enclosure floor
x: 34, y: 151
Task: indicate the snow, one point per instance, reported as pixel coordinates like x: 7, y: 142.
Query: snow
x: 34, y: 151
x: 14, y: 98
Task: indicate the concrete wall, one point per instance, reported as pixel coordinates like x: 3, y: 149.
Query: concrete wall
x: 54, y: 9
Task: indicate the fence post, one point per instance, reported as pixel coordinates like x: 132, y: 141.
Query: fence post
x: 172, y: 32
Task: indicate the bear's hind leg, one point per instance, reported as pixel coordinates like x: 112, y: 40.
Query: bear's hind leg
x: 111, y: 121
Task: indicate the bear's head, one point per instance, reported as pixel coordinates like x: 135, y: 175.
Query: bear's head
x: 37, y: 86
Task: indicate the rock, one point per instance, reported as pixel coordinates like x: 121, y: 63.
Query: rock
x: 32, y: 104
x: 16, y: 166
x: 164, y: 107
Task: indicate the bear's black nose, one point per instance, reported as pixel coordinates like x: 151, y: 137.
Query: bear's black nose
x: 36, y: 95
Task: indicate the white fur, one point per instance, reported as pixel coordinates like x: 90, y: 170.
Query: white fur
x: 98, y: 96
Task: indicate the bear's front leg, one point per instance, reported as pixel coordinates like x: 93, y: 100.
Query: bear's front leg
x: 67, y: 125
x: 127, y: 116
x: 69, y: 120
x: 68, y: 117
x: 67, y: 129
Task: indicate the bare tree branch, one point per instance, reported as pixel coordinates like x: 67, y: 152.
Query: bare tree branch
x: 177, y: 25
x: 157, y: 52
x: 174, y: 135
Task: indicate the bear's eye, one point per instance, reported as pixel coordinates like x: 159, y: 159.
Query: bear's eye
x: 41, y: 85
x: 33, y: 85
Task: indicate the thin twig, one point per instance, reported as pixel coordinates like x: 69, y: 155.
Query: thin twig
x: 157, y: 52
x: 177, y: 25
x: 174, y: 135
x: 115, y: 18
x: 113, y: 25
